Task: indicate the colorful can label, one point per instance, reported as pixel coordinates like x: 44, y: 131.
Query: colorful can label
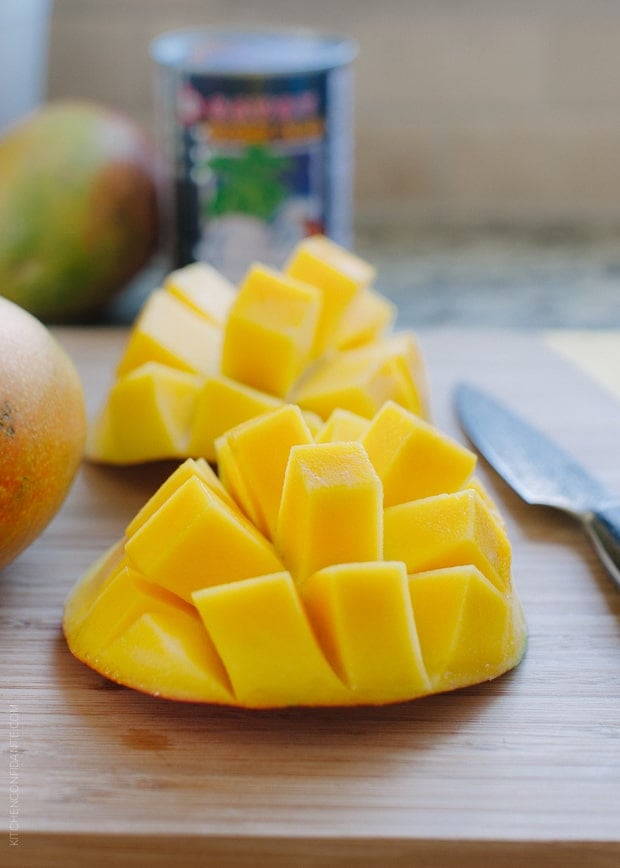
x: 258, y: 133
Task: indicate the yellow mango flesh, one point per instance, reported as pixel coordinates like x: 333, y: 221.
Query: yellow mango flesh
x: 464, y: 623
x: 360, y: 380
x: 342, y: 425
x: 222, y: 404
x: 331, y: 508
x: 448, y: 530
x: 190, y: 468
x: 125, y: 624
x: 315, y: 333
x: 266, y: 643
x: 270, y: 331
x: 205, y: 543
x: 204, y: 290
x: 351, y: 604
x: 339, y: 275
x: 368, y: 316
x: 363, y: 618
x: 414, y: 459
x: 174, y: 657
x: 256, y: 452
x: 161, y: 402
x: 344, y: 554
x: 169, y: 332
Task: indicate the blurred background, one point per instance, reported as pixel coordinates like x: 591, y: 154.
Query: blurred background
x: 475, y: 108
x: 487, y: 137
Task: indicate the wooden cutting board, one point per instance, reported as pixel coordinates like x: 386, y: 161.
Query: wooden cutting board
x: 523, y: 770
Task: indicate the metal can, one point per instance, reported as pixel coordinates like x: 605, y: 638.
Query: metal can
x: 257, y: 131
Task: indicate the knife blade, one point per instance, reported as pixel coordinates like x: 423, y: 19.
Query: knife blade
x: 540, y: 471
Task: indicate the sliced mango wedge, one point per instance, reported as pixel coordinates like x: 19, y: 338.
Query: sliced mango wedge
x: 290, y: 580
x: 204, y: 355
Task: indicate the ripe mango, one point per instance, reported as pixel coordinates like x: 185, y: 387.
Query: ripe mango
x: 289, y: 582
x: 78, y: 208
x: 42, y: 428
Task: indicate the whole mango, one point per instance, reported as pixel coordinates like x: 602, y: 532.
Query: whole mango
x: 42, y: 428
x: 79, y: 208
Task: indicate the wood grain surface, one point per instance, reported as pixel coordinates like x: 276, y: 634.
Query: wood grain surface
x: 521, y: 771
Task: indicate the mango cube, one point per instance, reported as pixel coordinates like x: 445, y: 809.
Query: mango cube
x: 448, y: 530
x: 265, y: 641
x: 204, y: 290
x: 169, y: 332
x: 189, y: 469
x: 259, y: 451
x: 124, y: 598
x: 169, y: 654
x: 362, y: 616
x: 142, y: 633
x: 413, y: 458
x: 337, y: 272
x: 463, y: 622
x: 360, y: 380
x: 342, y: 425
x: 161, y: 401
x: 222, y: 404
x: 331, y: 508
x: 270, y: 330
x: 195, y: 540
x: 367, y: 318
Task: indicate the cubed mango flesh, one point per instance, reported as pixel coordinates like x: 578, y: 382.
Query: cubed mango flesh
x: 221, y: 404
x: 343, y: 554
x: 448, y: 530
x: 368, y: 317
x: 259, y: 450
x: 203, y: 289
x: 339, y: 274
x: 190, y: 468
x: 205, y: 542
x: 331, y: 508
x: 315, y: 333
x: 266, y: 643
x: 171, y: 655
x: 362, y: 615
x: 342, y: 425
x: 270, y: 330
x: 169, y: 332
x: 162, y: 404
x: 413, y: 458
x: 360, y: 380
x: 349, y: 603
x: 133, y: 625
x: 463, y: 622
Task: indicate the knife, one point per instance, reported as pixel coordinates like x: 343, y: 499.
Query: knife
x: 541, y: 472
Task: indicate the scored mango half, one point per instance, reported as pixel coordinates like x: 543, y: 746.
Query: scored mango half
x: 360, y: 562
x: 204, y: 355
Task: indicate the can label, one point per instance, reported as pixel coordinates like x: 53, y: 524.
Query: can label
x: 261, y: 162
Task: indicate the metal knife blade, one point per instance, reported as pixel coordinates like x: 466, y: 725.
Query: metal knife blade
x: 540, y: 471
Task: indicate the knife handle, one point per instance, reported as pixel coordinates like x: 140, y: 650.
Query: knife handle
x: 603, y: 529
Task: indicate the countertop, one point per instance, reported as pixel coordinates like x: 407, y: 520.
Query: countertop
x: 500, y: 275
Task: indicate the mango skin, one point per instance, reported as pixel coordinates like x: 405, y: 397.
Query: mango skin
x: 42, y: 428
x: 79, y: 208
